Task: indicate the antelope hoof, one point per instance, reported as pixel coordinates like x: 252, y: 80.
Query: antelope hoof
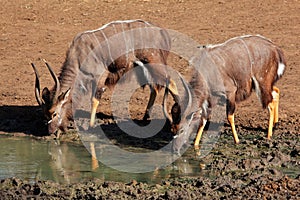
x: 276, y: 125
x: 92, y: 124
x: 197, y: 150
x: 269, y: 137
x: 237, y: 142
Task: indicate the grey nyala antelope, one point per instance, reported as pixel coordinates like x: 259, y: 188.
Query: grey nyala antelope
x: 115, y: 48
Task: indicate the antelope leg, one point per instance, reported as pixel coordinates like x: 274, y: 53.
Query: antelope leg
x: 231, y: 121
x: 153, y: 95
x: 95, y: 103
x: 275, y: 94
x: 271, y: 108
x: 199, y: 135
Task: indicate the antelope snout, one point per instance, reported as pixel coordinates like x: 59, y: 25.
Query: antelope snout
x: 180, y: 139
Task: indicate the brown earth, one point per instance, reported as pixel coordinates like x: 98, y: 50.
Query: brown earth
x: 35, y: 30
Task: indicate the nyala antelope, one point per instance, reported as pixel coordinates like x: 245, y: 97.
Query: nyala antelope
x: 245, y: 63
x: 143, y: 44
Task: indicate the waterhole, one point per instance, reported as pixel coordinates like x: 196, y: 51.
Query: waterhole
x: 62, y: 162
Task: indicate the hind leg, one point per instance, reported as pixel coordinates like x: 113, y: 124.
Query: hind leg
x: 275, y: 94
x: 271, y: 108
x: 154, y: 91
x: 273, y: 111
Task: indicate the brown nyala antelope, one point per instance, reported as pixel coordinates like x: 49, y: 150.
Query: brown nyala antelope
x: 249, y: 63
x: 246, y: 63
x: 134, y: 43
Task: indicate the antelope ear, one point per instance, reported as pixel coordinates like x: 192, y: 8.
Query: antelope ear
x: 65, y: 95
x: 46, y: 96
x: 176, y: 112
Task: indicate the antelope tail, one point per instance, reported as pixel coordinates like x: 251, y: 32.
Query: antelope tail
x: 281, y: 63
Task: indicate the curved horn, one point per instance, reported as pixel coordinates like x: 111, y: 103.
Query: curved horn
x: 186, y: 87
x: 37, y: 86
x: 164, y: 105
x: 56, y: 81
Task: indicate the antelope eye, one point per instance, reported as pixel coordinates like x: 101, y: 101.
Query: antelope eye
x: 181, y: 131
x: 54, y: 115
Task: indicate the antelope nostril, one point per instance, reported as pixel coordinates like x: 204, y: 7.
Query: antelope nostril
x: 51, y: 130
x: 181, y: 131
x: 176, y: 151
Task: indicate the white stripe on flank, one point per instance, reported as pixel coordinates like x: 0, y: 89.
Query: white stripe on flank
x: 124, y: 36
x: 280, y: 69
x: 108, y: 46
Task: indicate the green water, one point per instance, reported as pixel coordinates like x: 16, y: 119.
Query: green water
x: 34, y: 160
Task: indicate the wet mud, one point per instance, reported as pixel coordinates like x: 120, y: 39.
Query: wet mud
x: 255, y: 169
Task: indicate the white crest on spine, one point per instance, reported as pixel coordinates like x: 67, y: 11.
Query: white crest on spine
x: 115, y: 22
x: 234, y: 38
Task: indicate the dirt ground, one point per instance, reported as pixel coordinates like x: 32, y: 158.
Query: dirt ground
x: 35, y: 30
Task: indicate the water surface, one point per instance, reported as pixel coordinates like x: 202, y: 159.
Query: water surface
x: 34, y: 160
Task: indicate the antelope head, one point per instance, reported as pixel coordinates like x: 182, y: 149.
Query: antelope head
x: 56, y: 105
x: 180, y: 122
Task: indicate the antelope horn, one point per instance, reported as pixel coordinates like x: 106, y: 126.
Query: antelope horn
x: 37, y: 86
x: 186, y: 87
x: 56, y: 81
x: 165, y: 98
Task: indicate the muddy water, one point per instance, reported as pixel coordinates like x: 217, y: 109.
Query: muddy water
x: 34, y: 160
x: 255, y: 169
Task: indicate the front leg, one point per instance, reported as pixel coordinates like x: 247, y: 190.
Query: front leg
x: 199, y: 134
x: 153, y: 95
x: 95, y: 102
x: 230, y: 116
